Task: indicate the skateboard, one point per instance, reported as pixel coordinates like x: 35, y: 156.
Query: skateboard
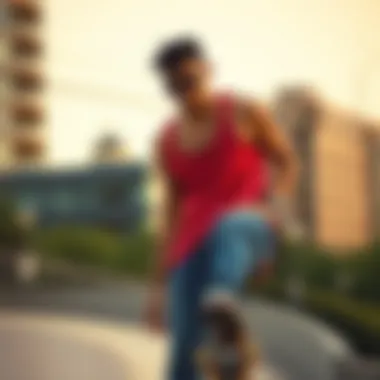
x: 226, y: 352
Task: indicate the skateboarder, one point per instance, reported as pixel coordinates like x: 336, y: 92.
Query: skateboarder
x: 221, y: 209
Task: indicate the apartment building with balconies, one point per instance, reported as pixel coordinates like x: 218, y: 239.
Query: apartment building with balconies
x: 23, y: 123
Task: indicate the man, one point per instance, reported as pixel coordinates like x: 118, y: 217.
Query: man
x: 217, y: 226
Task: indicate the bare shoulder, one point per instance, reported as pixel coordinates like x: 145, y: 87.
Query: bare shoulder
x: 251, y: 107
x: 265, y: 131
x: 252, y: 116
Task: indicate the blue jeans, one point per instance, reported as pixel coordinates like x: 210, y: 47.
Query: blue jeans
x: 222, y: 262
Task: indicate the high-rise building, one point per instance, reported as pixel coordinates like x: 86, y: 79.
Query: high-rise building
x: 338, y: 199
x: 22, y: 113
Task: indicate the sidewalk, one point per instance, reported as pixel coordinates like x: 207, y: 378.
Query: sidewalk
x: 45, y: 347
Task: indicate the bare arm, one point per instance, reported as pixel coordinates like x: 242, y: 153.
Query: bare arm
x: 283, y: 159
x: 272, y: 139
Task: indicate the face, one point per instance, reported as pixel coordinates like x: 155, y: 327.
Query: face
x: 189, y: 81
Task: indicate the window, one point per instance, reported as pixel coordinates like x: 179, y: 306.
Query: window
x: 27, y: 113
x: 25, y: 46
x: 27, y: 206
x: 26, y: 80
x: 25, y: 12
x: 63, y: 201
x: 113, y: 195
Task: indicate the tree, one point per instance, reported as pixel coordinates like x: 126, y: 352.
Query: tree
x: 110, y: 149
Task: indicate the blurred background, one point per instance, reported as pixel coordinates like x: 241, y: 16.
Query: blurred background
x: 79, y: 107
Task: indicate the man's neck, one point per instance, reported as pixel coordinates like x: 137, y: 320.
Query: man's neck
x: 200, y: 110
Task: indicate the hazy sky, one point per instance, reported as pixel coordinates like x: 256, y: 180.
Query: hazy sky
x: 98, y: 58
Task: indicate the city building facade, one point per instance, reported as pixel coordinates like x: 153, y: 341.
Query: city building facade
x: 111, y: 196
x: 22, y: 113
x: 339, y: 192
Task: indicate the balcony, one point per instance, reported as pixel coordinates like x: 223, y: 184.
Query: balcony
x: 24, y: 79
x: 28, y: 147
x: 24, y: 45
x: 23, y: 12
x: 27, y: 114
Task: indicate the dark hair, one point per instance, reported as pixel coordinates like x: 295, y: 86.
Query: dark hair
x: 171, y: 54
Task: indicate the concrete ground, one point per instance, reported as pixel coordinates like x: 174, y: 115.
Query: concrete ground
x: 37, y: 346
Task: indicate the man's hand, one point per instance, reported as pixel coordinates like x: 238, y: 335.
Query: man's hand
x: 286, y: 218
x: 155, y: 310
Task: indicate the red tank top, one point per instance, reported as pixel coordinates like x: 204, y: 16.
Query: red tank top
x: 229, y: 173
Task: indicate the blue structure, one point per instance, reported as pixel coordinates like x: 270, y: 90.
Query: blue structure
x: 107, y: 195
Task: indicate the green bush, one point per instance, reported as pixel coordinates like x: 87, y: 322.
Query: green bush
x: 316, y: 267
x: 137, y: 253
x: 96, y: 247
x: 365, y: 269
x: 353, y: 309
x: 79, y: 245
x: 12, y: 235
x: 360, y: 322
x: 325, y: 270
x: 273, y: 290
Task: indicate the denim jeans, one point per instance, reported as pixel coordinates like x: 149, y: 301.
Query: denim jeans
x: 233, y: 249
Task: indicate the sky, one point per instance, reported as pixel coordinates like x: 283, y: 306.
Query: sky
x: 98, y: 59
